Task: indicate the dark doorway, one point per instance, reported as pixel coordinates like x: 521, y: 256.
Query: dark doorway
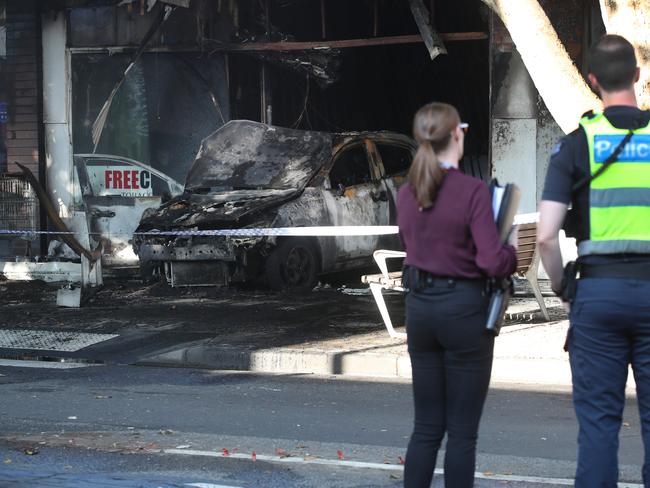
x: 377, y: 87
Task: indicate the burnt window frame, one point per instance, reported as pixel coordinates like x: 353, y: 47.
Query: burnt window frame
x: 410, y: 147
x: 341, y: 150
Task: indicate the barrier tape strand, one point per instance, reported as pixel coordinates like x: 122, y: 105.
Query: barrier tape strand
x: 316, y: 231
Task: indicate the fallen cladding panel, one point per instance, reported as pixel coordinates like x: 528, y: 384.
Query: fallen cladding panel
x: 50, y: 272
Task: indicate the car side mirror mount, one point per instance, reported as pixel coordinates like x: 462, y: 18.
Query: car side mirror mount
x: 338, y: 190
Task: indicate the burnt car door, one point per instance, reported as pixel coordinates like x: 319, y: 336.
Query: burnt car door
x: 355, y: 195
x: 115, y: 191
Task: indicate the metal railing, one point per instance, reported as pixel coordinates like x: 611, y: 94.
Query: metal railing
x: 19, y: 210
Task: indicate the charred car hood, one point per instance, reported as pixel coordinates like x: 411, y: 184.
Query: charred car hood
x: 213, y: 211
x: 242, y: 169
x: 249, y: 155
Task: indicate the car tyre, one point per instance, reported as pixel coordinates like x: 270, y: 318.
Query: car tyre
x: 293, y: 265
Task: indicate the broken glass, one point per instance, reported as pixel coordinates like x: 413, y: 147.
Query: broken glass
x: 167, y: 105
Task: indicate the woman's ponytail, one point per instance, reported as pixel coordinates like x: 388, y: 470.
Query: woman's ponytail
x: 432, y: 128
x: 425, y: 175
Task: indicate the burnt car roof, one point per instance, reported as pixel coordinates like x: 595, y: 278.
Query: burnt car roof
x: 244, y: 154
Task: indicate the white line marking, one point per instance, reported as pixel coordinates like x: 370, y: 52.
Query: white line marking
x: 523, y: 479
x: 368, y: 465
x: 16, y: 363
x: 209, y: 485
x: 285, y: 460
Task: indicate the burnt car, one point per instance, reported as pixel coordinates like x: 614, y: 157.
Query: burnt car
x: 251, y: 175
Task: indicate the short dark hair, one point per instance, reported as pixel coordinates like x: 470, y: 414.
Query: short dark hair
x: 613, y: 62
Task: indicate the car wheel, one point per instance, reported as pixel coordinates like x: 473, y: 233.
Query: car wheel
x: 293, y: 265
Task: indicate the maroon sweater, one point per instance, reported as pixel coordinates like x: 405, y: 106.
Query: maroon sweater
x: 457, y: 237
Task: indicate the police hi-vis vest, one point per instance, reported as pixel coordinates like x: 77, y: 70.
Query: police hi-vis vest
x: 619, y: 199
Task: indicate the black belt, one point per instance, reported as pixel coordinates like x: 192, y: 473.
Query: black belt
x: 634, y: 270
x: 416, y: 278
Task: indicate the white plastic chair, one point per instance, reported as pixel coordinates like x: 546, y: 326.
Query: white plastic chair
x: 387, y: 283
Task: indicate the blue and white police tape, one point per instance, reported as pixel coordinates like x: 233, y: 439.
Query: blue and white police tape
x: 316, y: 231
x: 335, y: 231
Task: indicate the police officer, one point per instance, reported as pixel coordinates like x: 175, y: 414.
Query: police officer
x: 610, y: 313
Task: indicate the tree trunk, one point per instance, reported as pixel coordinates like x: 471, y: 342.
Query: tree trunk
x: 631, y: 19
x: 557, y: 79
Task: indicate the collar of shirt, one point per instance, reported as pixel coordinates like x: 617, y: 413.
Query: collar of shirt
x: 446, y: 165
x: 626, y: 116
x: 621, y: 110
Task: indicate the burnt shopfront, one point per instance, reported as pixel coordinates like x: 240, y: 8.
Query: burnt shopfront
x: 131, y: 88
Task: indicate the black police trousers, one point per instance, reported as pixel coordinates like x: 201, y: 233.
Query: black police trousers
x: 451, y: 360
x: 610, y: 330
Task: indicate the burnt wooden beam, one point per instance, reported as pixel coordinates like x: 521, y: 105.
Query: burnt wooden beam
x: 430, y: 37
x: 215, y: 46
x: 346, y: 43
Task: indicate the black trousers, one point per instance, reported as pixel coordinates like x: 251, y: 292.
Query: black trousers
x: 451, y: 359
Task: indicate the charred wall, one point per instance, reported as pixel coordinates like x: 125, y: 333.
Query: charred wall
x: 367, y: 88
x: 364, y: 79
x: 174, y: 96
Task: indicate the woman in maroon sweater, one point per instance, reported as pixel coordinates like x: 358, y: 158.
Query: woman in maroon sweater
x: 448, y: 231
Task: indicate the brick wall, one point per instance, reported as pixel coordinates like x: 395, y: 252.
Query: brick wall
x: 24, y: 67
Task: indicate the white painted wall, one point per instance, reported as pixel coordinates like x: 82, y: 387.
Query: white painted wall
x: 523, y: 137
x: 514, y: 149
x: 56, y: 113
x: 514, y: 128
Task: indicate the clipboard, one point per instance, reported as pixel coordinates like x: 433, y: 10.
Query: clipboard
x: 505, y: 202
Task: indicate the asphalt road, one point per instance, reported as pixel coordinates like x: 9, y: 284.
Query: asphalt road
x: 123, y: 426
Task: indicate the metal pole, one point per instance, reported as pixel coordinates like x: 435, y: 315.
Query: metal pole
x: 265, y: 79
x: 267, y: 19
x: 322, y: 19
x: 375, y: 29
x: 263, y: 93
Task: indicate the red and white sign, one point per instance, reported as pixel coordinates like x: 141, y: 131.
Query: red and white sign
x: 125, y: 181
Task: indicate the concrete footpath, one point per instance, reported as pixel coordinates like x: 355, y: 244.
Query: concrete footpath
x: 528, y: 351
x: 328, y: 332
